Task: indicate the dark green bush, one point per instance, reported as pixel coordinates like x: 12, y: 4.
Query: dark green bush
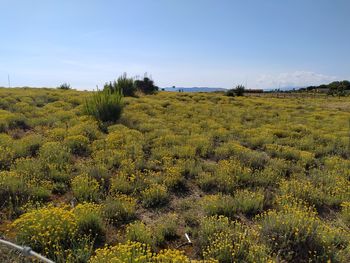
x: 105, y: 106
x: 64, y: 86
x: 146, y: 85
x: 78, y: 144
x: 123, y: 83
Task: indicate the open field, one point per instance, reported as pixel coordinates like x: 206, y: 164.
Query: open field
x: 249, y: 179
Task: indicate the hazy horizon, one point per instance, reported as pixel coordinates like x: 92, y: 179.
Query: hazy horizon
x: 264, y: 44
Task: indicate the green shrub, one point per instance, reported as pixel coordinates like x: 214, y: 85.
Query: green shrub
x: 237, y: 91
x: 9, y: 121
x: 64, y: 86
x: 218, y: 205
x: 166, y: 228
x: 345, y: 213
x: 89, y: 221
x: 140, y: 232
x: 155, y: 195
x: 244, y: 201
x: 248, y: 202
x: 6, y: 157
x: 297, y: 235
x: 239, y: 244
x: 28, y: 146
x: 210, y: 226
x: 78, y: 145
x: 120, y: 209
x: 55, y: 154
x: 123, y: 83
x: 85, y: 188
x: 228, y: 241
x: 146, y: 85
x: 13, y: 189
x: 105, y: 106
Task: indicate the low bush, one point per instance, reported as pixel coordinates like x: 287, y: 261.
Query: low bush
x: 64, y: 86
x: 297, y: 235
x: 166, y: 228
x: 78, y: 144
x: 345, y: 213
x: 105, y: 106
x: 225, y: 177
x: 9, y: 121
x: 13, y: 189
x: 140, y: 232
x: 85, y: 188
x: 155, y: 195
x: 28, y: 146
x: 55, y: 155
x: 47, y: 230
x: 6, y: 157
x: 90, y: 222
x: 120, y: 209
x: 129, y: 252
x: 248, y: 202
x: 228, y: 241
x: 244, y: 201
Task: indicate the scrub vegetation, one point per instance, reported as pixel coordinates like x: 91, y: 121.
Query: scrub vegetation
x: 98, y: 177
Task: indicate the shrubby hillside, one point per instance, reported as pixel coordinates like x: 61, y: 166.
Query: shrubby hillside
x: 248, y: 179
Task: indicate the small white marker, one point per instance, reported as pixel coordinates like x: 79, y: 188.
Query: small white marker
x: 188, y: 238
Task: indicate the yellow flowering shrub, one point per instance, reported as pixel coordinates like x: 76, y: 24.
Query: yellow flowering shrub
x: 47, y: 229
x: 170, y: 256
x: 122, y: 253
x: 225, y: 177
x: 235, y: 243
x: 85, y: 188
x: 89, y: 221
x: 295, y: 232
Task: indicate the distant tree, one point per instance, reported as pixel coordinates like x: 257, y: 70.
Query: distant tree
x: 337, y: 88
x: 64, y: 86
x: 146, y: 85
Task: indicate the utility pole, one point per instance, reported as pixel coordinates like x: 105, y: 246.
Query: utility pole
x: 8, y: 79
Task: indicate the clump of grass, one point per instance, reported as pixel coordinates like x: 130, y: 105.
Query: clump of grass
x: 120, y: 209
x: 105, y: 106
x: 140, y: 232
x: 155, y: 195
x: 244, y: 201
x: 166, y: 228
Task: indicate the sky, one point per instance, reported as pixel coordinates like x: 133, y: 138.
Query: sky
x: 183, y: 43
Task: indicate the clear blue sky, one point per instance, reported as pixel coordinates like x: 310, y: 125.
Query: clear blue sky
x: 220, y: 43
